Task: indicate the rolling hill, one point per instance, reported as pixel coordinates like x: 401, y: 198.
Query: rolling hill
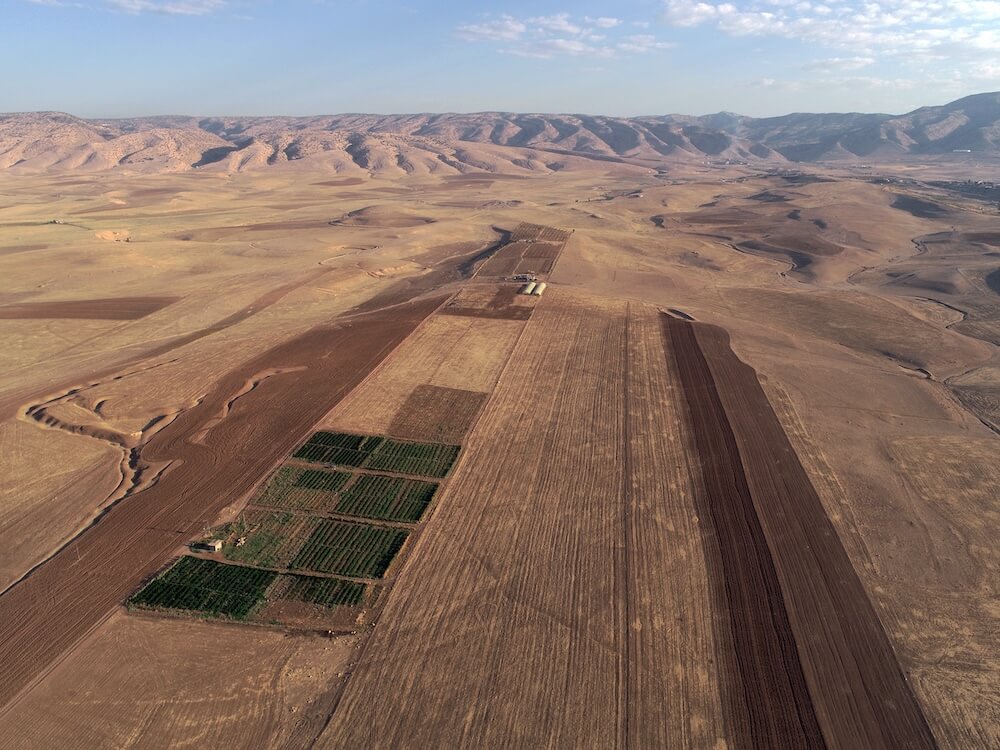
x: 486, y: 141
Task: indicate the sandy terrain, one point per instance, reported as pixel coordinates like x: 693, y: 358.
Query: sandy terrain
x: 592, y: 573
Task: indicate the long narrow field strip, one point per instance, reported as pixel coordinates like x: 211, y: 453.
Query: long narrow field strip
x: 420, y: 459
x: 860, y: 696
x: 518, y: 575
x: 772, y: 542
x: 298, y: 488
x: 764, y: 689
x: 206, y: 586
x: 349, y: 549
x: 387, y: 498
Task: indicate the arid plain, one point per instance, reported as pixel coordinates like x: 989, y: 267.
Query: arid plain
x: 731, y: 481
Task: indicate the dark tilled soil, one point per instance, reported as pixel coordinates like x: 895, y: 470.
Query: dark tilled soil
x: 436, y: 414
x: 856, y: 690
x: 114, y: 308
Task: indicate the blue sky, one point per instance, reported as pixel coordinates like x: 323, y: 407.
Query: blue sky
x: 111, y: 58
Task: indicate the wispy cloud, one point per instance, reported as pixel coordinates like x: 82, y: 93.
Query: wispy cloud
x: 558, y: 35
x: 169, y: 7
x: 503, y: 29
x: 839, y: 63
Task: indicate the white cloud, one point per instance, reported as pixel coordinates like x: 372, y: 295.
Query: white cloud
x: 547, y: 48
x: 560, y: 34
x: 558, y: 23
x: 172, y: 7
x: 839, y: 63
x: 504, y: 29
x: 637, y: 43
x: 962, y: 36
x: 603, y: 22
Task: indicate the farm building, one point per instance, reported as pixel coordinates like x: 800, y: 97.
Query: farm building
x: 212, y: 545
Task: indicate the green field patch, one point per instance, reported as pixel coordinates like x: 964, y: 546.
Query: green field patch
x: 420, y: 459
x: 197, y: 585
x: 302, y: 489
x: 325, y: 592
x: 387, y: 498
x: 270, y: 539
x: 325, y: 481
x: 349, y: 549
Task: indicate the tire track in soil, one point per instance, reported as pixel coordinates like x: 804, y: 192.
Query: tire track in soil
x: 47, y: 613
x: 809, y: 662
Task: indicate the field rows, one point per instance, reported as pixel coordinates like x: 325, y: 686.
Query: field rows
x: 517, y: 575
x: 362, y: 495
x: 432, y: 460
x: 237, y: 592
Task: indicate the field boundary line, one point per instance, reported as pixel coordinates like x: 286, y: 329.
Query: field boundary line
x: 413, y: 541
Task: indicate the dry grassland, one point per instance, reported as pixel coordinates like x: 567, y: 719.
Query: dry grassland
x: 143, y: 682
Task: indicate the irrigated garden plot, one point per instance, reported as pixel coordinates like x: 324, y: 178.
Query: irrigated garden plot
x: 303, y: 489
x: 349, y: 549
x: 282, y: 539
x: 387, y: 498
x: 237, y: 592
x: 267, y: 538
x: 206, y: 586
x: 341, y: 449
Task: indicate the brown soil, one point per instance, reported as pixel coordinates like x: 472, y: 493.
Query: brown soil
x: 763, y: 688
x: 483, y: 302
x: 436, y: 414
x: 771, y: 528
x: 343, y: 182
x: 72, y: 592
x: 12, y: 249
x: 114, y: 308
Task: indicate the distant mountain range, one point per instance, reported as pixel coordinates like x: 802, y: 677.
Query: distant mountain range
x: 487, y: 141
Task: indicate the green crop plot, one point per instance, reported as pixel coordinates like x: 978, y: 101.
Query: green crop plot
x: 420, y: 459
x: 270, y: 539
x: 206, y: 586
x: 349, y: 549
x: 326, y: 592
x: 387, y: 498
x: 302, y: 489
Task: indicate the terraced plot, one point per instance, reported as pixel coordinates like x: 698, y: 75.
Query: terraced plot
x: 206, y: 586
x: 349, y: 549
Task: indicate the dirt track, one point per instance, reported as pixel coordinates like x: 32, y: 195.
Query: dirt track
x: 63, y: 599
x: 768, y: 521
